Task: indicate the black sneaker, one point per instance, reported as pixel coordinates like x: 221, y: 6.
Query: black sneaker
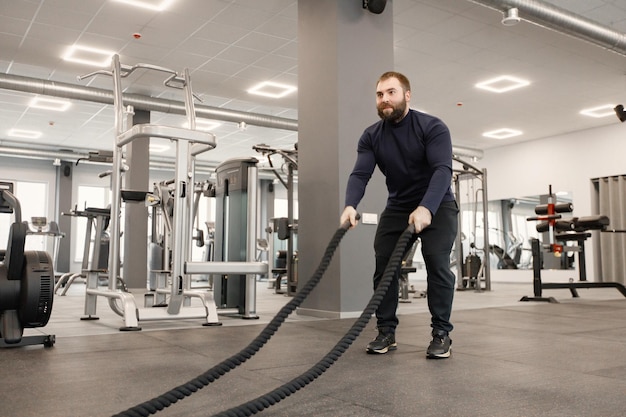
x: 383, y: 343
x: 439, y: 348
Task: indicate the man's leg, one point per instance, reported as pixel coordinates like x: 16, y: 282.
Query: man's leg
x: 390, y: 227
x: 437, y: 241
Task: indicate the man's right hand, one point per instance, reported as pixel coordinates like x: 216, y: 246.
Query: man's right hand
x: 349, y: 213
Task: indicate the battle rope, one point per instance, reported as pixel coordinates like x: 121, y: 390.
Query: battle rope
x: 179, y: 393
x: 280, y: 393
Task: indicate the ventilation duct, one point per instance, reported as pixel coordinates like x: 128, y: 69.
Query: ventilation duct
x: 562, y: 21
x: 140, y: 102
x: 30, y: 153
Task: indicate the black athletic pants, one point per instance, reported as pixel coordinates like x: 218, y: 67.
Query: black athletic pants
x: 436, y: 243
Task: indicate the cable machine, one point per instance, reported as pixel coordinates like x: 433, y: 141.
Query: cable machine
x: 285, y: 228
x: 235, y: 195
x: 471, y: 267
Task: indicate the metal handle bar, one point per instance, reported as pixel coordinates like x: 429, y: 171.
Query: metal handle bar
x: 287, y: 154
x: 175, y: 78
x: 544, y: 218
x: 126, y: 70
x: 266, y: 148
x: 93, y: 74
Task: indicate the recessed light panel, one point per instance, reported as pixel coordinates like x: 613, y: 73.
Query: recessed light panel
x: 272, y: 89
x: 600, y: 111
x: 502, y: 133
x: 157, y: 5
x: 88, y: 55
x: 26, y: 134
x: 502, y: 84
x: 49, y: 104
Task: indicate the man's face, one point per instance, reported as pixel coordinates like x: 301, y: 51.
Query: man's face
x: 391, y: 100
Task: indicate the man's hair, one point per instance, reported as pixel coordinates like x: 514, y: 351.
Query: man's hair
x: 406, y: 85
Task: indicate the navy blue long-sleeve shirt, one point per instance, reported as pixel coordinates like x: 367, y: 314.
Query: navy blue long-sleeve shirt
x: 414, y: 155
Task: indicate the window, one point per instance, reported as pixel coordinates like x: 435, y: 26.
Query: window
x: 33, y: 198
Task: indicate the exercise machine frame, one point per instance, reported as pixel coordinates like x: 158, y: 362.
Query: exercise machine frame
x: 579, y: 233
x: 469, y: 171
x: 189, y: 143
x: 26, y: 281
x: 291, y: 227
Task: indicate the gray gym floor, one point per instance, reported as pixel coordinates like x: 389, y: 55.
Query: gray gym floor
x: 509, y: 358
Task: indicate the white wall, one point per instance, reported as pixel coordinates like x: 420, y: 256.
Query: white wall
x: 568, y: 162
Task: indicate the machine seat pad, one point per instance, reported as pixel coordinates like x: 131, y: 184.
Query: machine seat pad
x: 576, y: 224
x: 599, y: 222
x: 97, y: 210
x: 14, y: 254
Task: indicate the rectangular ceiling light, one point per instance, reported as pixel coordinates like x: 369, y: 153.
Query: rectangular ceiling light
x: 502, y: 84
x: 49, y: 104
x: 600, y: 111
x: 26, y: 134
x: 272, y: 89
x: 88, y: 55
x: 504, y: 133
x: 157, y: 5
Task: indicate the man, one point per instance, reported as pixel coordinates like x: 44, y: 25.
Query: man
x: 413, y: 150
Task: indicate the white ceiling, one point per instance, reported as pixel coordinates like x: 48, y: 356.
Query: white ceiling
x: 444, y: 46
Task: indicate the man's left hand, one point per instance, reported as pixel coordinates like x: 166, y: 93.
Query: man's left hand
x: 421, y: 217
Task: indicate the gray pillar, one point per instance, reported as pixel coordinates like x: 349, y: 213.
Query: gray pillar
x: 136, y: 213
x: 64, y: 205
x: 342, y: 50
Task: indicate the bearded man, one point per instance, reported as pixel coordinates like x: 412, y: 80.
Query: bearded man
x: 413, y: 150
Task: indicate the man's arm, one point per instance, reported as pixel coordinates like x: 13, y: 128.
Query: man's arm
x: 439, y: 156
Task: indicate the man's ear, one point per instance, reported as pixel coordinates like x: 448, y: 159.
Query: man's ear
x: 407, y: 95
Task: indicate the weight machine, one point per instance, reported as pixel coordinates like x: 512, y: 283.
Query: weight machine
x: 26, y: 281
x: 285, y: 262
x: 236, y: 197
x: 97, y: 221
x: 189, y: 143
x: 560, y: 231
x: 471, y: 270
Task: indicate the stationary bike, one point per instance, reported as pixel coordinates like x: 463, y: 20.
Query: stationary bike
x: 26, y: 282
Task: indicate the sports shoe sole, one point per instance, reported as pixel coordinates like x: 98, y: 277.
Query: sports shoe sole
x: 383, y: 350
x: 440, y: 355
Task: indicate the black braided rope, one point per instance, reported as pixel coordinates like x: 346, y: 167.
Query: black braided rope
x: 181, y: 392
x: 285, y: 390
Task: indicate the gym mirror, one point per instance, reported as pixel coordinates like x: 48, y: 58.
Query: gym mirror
x: 510, y: 233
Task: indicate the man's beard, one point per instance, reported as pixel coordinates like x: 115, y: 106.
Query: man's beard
x: 396, y: 114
